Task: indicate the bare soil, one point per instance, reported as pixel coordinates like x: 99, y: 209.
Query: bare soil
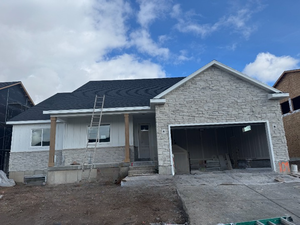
x: 90, y: 203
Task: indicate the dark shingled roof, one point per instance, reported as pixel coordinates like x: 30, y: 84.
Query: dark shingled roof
x: 118, y: 93
x: 6, y: 84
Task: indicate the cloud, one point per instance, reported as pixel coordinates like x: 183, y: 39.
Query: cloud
x: 231, y: 47
x: 237, y: 21
x: 117, y: 68
x: 268, y: 67
x: 142, y: 40
x: 183, y: 56
x: 151, y: 10
x: 55, y: 46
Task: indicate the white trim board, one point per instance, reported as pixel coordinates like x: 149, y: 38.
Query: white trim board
x: 118, y: 109
x: 265, y: 122
x: 28, y: 122
x: 278, y: 96
x: 223, y: 67
x: 61, y: 116
x: 218, y: 123
x: 32, y: 122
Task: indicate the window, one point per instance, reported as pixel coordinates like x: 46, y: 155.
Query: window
x: 144, y: 127
x: 40, y: 137
x: 104, y: 133
x: 285, y: 107
x: 296, y: 103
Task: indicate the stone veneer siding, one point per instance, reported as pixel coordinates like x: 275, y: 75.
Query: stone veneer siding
x: 102, y: 155
x: 29, y: 161
x: 38, y: 160
x: 214, y: 96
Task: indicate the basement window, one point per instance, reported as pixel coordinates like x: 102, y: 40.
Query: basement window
x: 40, y: 137
x: 285, y: 107
x: 104, y: 134
x: 296, y: 103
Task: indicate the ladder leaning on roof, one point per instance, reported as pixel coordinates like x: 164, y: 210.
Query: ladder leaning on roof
x: 95, y: 123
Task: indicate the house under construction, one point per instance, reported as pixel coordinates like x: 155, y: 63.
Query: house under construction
x: 14, y: 99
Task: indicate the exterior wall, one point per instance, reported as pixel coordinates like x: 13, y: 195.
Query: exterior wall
x: 75, y: 135
x: 21, y: 137
x: 290, y: 84
x: 214, y: 96
x: 102, y: 155
x: 71, y: 139
x: 292, y: 132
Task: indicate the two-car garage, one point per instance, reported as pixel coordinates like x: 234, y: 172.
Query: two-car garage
x: 208, y: 147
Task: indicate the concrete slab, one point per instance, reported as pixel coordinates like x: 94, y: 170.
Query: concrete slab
x: 231, y: 196
x: 148, y: 180
x: 236, y: 196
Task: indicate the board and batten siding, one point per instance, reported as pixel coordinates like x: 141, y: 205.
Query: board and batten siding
x: 21, y: 137
x: 75, y: 135
x: 71, y: 134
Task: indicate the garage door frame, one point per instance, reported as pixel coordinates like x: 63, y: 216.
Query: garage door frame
x: 267, y: 128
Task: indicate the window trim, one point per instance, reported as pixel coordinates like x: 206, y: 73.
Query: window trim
x: 99, y: 142
x: 40, y: 146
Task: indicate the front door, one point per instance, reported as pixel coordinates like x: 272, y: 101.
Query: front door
x: 144, y: 142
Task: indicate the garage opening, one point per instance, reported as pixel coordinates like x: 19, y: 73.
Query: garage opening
x: 220, y: 147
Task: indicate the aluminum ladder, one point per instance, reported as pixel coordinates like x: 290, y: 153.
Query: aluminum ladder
x: 285, y: 220
x: 95, y: 123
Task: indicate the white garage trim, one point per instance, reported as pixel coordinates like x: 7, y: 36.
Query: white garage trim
x: 268, y: 134
x: 269, y: 138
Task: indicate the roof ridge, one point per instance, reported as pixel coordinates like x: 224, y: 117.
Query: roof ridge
x: 155, y: 78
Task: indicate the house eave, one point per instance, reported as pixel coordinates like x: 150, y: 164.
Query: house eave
x: 105, y: 110
x: 278, y: 96
x: 28, y: 122
x: 157, y: 101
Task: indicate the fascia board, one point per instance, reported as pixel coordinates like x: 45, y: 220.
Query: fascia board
x: 119, y: 109
x: 278, y: 96
x: 157, y: 101
x: 28, y: 122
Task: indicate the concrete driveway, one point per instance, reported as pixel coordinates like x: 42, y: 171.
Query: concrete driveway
x: 238, y: 195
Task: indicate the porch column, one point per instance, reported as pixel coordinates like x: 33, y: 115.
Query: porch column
x: 52, y: 142
x: 127, y: 154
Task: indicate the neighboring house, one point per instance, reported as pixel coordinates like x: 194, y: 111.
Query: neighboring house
x: 289, y: 81
x: 214, y: 111
x: 14, y: 100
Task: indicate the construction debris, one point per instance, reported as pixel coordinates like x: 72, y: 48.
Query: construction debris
x: 278, y: 179
x: 4, y: 181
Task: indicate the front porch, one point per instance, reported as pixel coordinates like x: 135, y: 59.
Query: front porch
x: 131, y: 138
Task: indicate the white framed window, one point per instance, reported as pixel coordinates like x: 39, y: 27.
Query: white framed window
x: 104, y: 134
x: 40, y: 137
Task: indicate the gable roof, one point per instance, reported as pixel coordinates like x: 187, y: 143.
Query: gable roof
x: 124, y: 94
x: 225, y: 68
x: 118, y: 93
x: 283, y: 75
x: 4, y: 85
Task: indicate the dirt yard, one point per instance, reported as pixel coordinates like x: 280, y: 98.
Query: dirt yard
x: 90, y: 203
